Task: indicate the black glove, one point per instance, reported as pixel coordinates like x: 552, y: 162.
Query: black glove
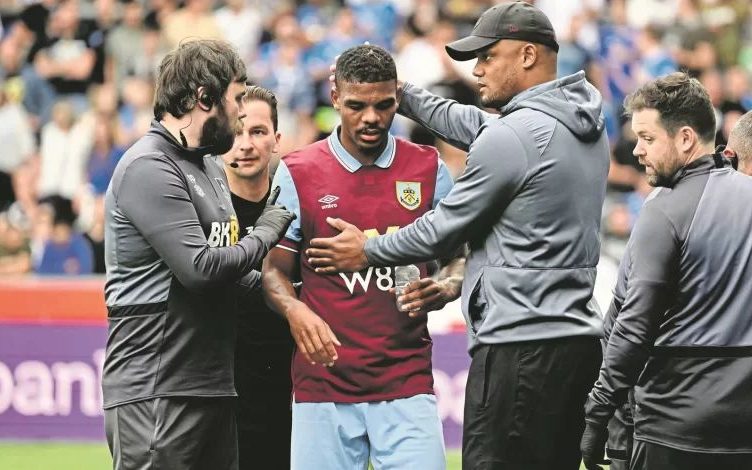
x: 275, y: 218
x: 593, y: 446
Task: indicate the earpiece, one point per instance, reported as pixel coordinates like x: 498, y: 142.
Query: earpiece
x: 205, y: 102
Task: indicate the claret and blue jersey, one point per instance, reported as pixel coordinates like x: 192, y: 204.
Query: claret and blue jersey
x: 385, y: 354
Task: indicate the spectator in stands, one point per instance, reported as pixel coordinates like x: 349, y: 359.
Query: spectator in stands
x: 617, y: 54
x: 18, y: 148
x: 67, y: 59
x: 376, y: 20
x: 574, y: 55
x: 343, y: 33
x: 738, y: 92
x: 693, y: 41
x: 145, y: 66
x: 135, y: 113
x: 194, y: 20
x: 66, y: 251
x: 125, y: 43
x: 22, y: 84
x: 15, y: 252
x: 104, y: 156
x: 281, y: 68
x: 64, y: 149
x: 159, y: 11
x: 89, y: 209
x: 31, y: 29
x: 242, y: 25
x: 315, y: 16
x: 655, y: 58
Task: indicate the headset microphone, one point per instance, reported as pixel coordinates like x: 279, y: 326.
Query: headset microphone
x: 234, y: 164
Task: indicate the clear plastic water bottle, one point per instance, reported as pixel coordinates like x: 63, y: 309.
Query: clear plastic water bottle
x: 403, y: 275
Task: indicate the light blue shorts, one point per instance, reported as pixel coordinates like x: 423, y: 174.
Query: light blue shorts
x: 402, y: 434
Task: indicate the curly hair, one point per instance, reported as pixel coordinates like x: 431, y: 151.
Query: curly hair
x: 365, y: 64
x: 680, y: 101
x: 207, y: 63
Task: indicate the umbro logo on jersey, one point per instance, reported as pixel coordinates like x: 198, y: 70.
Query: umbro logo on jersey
x: 328, y: 201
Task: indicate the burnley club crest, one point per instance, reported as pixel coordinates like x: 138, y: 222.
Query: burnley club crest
x: 408, y: 194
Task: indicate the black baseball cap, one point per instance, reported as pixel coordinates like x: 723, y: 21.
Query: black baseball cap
x: 513, y: 20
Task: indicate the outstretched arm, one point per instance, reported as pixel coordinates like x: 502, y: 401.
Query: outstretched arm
x: 153, y: 197
x: 479, y: 197
x: 455, y: 123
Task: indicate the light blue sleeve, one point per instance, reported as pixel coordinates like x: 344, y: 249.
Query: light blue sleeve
x: 288, y: 197
x: 444, y: 183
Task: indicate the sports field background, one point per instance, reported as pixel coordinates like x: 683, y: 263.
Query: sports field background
x: 78, y: 456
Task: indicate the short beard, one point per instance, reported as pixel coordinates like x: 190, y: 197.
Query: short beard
x: 495, y: 103
x: 658, y: 181
x: 665, y: 179
x: 217, y: 133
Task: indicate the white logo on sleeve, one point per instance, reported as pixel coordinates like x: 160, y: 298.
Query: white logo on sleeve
x: 196, y: 187
x: 328, y: 201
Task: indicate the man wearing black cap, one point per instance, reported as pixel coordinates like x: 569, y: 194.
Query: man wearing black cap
x: 531, y: 194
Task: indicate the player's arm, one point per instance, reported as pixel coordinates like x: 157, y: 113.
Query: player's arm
x: 496, y: 170
x: 153, y: 197
x: 312, y: 335
x: 650, y: 291
x: 479, y: 197
x: 455, y: 123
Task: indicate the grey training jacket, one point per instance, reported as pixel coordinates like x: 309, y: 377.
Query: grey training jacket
x: 174, y: 256
x: 529, y: 205
x: 683, y: 337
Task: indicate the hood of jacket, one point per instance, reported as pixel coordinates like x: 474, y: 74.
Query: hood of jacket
x: 571, y: 100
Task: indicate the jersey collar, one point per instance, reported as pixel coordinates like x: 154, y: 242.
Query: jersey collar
x: 350, y: 163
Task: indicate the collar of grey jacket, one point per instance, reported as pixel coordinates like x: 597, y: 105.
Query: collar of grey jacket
x: 701, y: 165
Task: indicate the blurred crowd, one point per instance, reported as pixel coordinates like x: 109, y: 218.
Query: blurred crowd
x: 76, y: 87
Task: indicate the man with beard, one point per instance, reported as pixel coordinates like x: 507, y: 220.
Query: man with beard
x: 369, y: 392
x: 683, y: 335
x: 174, y: 256
x: 264, y: 347
x: 529, y: 205
x: 621, y: 426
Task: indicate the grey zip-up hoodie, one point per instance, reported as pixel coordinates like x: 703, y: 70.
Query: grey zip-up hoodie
x: 528, y: 204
